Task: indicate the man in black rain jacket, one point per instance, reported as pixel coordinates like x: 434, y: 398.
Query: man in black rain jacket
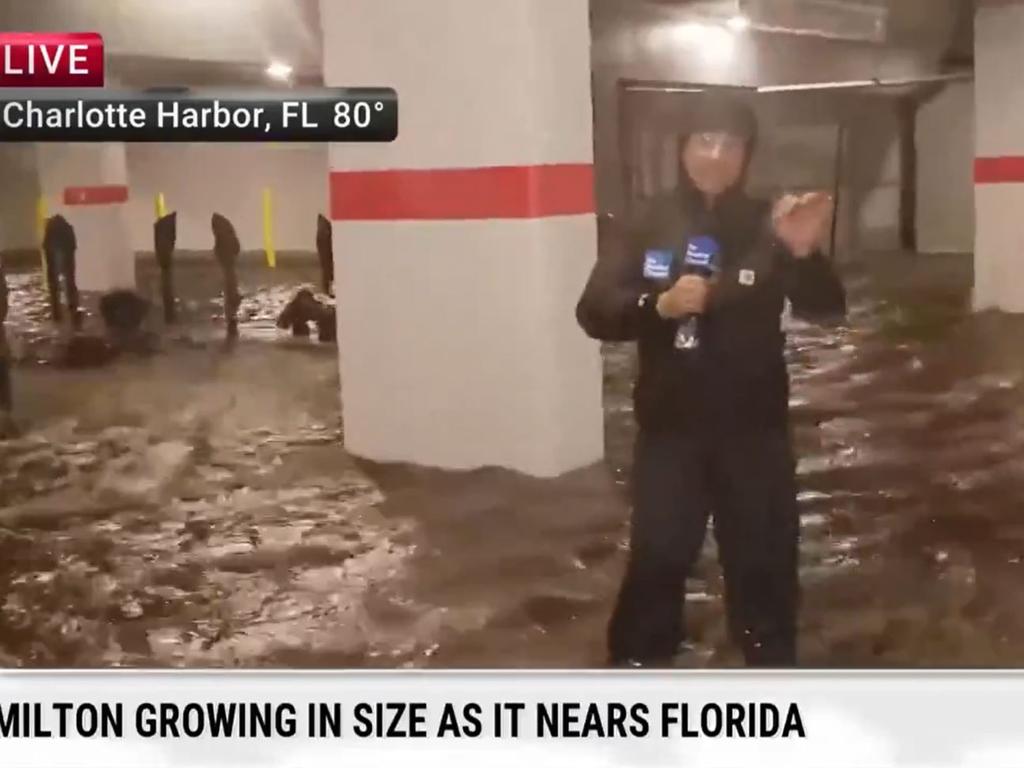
x: 713, y: 415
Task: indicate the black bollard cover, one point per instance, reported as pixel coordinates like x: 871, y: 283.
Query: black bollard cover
x: 6, y: 395
x: 226, y: 249
x: 325, y: 250
x: 165, y: 235
x: 59, y: 247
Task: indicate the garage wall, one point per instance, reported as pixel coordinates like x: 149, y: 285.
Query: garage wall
x: 18, y: 195
x: 945, y: 178
x: 198, y: 180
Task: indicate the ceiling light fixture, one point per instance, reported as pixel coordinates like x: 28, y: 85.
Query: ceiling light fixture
x: 278, y: 70
x: 738, y: 23
x: 689, y: 32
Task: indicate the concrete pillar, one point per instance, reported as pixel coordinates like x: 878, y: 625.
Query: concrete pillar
x: 999, y: 158
x: 461, y: 248
x: 88, y: 185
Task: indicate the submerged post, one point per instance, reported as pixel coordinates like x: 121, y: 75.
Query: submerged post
x: 6, y: 394
x: 165, y: 232
x: 226, y: 248
x: 325, y: 251
x: 59, y: 247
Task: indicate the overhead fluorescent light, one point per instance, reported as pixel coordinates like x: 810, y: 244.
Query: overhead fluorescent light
x: 689, y: 32
x: 865, y: 20
x: 738, y: 23
x: 949, y: 77
x: 278, y: 70
x: 816, y: 86
x: 662, y: 89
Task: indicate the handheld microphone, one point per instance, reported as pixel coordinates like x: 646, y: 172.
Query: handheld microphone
x: 702, y: 254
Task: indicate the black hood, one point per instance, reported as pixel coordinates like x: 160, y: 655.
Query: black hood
x: 716, y: 111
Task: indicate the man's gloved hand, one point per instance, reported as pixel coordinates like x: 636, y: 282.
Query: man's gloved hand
x: 689, y: 296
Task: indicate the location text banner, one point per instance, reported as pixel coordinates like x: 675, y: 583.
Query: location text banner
x: 184, y: 115
x: 125, y: 719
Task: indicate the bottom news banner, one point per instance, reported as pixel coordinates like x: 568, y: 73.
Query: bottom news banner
x: 127, y: 719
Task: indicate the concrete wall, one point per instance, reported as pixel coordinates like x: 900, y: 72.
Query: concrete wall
x: 200, y: 179
x: 196, y: 180
x: 872, y: 174
x: 18, y: 195
x: 945, y: 173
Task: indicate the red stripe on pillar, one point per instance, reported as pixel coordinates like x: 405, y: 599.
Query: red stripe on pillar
x: 104, y: 195
x: 999, y: 170
x: 506, y: 192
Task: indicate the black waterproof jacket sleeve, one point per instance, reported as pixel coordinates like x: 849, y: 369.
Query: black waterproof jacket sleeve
x: 814, y: 289
x: 617, y: 304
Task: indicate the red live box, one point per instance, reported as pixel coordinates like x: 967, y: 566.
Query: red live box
x: 51, y: 60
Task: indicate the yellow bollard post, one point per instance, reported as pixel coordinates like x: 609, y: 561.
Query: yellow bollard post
x: 161, y: 205
x: 268, y: 228
x: 41, y: 230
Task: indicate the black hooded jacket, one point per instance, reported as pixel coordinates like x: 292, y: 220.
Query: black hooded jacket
x: 736, y: 379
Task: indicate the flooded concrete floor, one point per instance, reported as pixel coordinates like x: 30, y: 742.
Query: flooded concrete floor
x: 195, y: 507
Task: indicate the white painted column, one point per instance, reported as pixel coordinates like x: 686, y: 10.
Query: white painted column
x: 88, y: 185
x: 999, y: 163
x: 462, y: 247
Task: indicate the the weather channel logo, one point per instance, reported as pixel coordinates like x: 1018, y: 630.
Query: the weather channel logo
x: 702, y: 252
x: 657, y: 264
x: 51, y: 60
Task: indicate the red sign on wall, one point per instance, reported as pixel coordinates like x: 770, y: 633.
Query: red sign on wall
x: 102, y: 195
x: 51, y: 60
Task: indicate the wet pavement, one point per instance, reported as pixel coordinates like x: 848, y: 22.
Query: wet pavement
x: 195, y: 506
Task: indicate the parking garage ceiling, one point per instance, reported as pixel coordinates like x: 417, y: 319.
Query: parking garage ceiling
x: 201, y: 42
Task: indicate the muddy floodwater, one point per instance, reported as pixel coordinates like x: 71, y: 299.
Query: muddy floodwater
x: 196, y: 507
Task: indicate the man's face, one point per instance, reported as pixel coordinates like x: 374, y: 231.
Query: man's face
x: 714, y: 161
